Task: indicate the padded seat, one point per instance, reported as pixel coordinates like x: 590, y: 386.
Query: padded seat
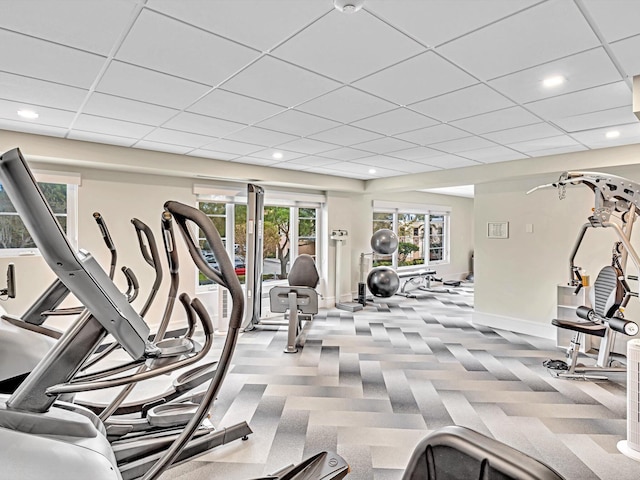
x: 587, y: 327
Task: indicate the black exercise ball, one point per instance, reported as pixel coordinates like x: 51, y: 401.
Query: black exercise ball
x: 383, y: 281
x: 384, y: 241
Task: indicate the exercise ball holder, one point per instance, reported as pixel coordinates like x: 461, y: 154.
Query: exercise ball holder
x: 383, y: 242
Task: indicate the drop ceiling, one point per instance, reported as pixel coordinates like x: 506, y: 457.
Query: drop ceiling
x: 398, y: 88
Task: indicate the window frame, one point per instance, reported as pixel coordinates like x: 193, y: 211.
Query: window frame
x: 396, y: 210
x: 72, y: 182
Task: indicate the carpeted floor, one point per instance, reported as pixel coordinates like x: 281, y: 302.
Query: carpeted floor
x: 371, y: 384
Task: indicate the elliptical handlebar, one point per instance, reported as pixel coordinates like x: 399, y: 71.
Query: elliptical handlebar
x: 150, y: 253
x: 106, y: 236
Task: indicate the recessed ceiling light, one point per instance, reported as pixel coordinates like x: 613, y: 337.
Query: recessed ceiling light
x: 348, y: 6
x: 372, y: 171
x: 612, y: 134
x: 30, y: 114
x: 277, y: 155
x: 551, y: 82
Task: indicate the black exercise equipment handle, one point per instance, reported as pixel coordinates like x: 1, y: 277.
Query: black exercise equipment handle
x: 106, y: 236
x: 150, y: 253
x: 169, y: 241
x: 185, y: 300
x: 133, y: 286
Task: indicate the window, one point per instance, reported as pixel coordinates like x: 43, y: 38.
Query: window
x: 234, y: 234
x: 287, y: 232
x: 423, y: 237
x: 14, y: 236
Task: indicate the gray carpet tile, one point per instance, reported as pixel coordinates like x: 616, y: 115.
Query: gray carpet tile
x: 371, y: 384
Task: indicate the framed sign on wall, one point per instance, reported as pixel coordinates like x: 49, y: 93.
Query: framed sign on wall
x: 497, y: 229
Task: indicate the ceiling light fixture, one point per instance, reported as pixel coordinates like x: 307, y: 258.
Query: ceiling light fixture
x: 612, y: 134
x: 277, y: 155
x: 348, y: 6
x: 372, y: 171
x: 551, y: 82
x: 29, y: 114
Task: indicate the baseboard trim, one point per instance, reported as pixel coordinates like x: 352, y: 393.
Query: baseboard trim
x: 517, y: 325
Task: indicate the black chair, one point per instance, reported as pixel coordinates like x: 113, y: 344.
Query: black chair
x: 300, y: 298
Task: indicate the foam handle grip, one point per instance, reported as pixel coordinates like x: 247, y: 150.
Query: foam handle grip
x: 623, y: 326
x: 586, y: 313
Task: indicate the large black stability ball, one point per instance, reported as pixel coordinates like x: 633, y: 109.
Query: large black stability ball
x: 383, y: 281
x: 384, y: 241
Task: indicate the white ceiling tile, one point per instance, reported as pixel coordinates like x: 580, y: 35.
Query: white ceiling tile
x: 199, y: 152
x: 285, y: 154
x: 450, y: 161
x: 418, y: 78
x: 230, y: 18
x: 144, y: 85
x: 384, y: 145
x: 591, y: 100
x: 417, y: 154
x: 29, y: 127
x: 345, y: 153
x: 70, y: 22
x: 308, y: 162
x: 164, y: 44
x: 463, y: 144
x: 236, y: 108
x: 345, y: 135
x: 521, y: 134
x: 602, y: 118
x: 256, y: 161
x: 230, y: 146
x: 597, y: 138
x: 346, y: 105
x: 110, y: 126
x: 531, y: 146
x: 47, y: 116
x: 209, y: 126
x: 101, y: 138
x: 395, y: 121
x: 626, y: 52
x: 437, y: 21
x: 545, y: 32
x: 406, y: 166
x: 616, y: 19
x: 275, y: 81
x: 308, y: 146
x: 493, y: 154
x: 162, y: 147
x: 498, y: 120
x: 297, y: 123
x: 438, y: 133
x: 174, y: 137
x: 583, y: 70
x: 47, y: 61
x: 39, y: 92
x: 261, y: 136
x: 344, y: 36
x: 361, y: 169
x: 125, y: 109
x: 327, y: 170
x: 463, y: 103
x: 558, y: 150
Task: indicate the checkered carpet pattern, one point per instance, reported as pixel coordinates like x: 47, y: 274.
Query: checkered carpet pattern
x: 371, y: 384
